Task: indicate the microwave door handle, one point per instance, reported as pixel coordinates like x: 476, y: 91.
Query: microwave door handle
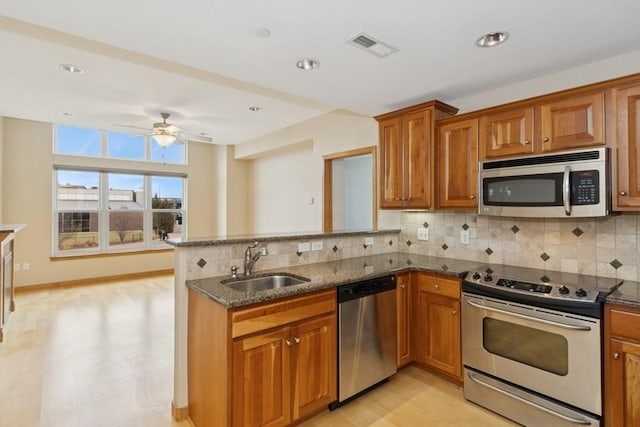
x: 566, y: 196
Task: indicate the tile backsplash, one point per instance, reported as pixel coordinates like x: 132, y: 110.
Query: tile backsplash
x: 607, y: 246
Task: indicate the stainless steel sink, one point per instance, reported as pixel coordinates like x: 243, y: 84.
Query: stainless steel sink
x: 264, y: 283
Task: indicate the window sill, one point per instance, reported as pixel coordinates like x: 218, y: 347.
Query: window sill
x: 108, y: 254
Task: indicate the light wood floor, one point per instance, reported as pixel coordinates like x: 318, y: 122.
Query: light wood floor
x: 102, y: 355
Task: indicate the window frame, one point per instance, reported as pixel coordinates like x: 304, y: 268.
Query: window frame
x: 103, y: 229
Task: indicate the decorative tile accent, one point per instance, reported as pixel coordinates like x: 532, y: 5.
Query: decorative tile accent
x: 489, y: 270
x: 545, y: 257
x: 444, y: 267
x: 334, y: 248
x: 390, y: 261
x: 365, y: 246
x: 544, y: 279
x: 465, y: 226
x: 425, y: 224
x: 201, y: 263
x: 444, y: 246
x: 489, y: 251
x: 298, y: 253
x: 577, y: 231
x: 515, y: 229
x: 409, y: 262
x: 615, y: 264
x: 390, y: 242
x: 408, y: 242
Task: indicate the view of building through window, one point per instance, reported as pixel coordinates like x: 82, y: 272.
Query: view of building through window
x: 103, y: 211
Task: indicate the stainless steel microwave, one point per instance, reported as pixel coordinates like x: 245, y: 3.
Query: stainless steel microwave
x: 567, y: 184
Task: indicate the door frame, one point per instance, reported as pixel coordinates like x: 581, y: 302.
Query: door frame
x: 327, y: 187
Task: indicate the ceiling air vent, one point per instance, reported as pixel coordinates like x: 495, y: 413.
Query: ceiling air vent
x: 372, y: 45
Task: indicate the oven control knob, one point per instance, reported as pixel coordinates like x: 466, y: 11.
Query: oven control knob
x: 476, y: 276
x: 563, y: 290
x: 488, y: 278
x: 581, y: 292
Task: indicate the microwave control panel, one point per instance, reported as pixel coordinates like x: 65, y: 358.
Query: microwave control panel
x: 585, y: 188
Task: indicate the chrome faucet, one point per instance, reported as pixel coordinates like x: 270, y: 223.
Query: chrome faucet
x: 250, y: 259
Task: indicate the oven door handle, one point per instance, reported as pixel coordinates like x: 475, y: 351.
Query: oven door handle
x: 534, y: 319
x: 580, y: 421
x: 566, y: 195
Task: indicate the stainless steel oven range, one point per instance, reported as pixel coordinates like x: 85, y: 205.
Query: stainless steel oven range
x: 531, y: 344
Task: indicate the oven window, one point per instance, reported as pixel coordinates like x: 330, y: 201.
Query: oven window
x: 525, y: 190
x: 533, y: 347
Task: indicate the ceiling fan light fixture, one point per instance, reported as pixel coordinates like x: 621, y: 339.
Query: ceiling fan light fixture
x: 492, y: 39
x: 164, y: 140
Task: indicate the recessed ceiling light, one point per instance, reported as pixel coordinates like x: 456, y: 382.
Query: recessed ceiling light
x: 255, y: 109
x: 71, y: 69
x: 263, y: 33
x: 492, y: 39
x: 308, y: 64
x: 65, y: 114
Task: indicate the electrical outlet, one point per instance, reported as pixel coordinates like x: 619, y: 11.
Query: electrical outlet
x: 309, y: 200
x: 25, y: 266
x: 316, y: 246
x: 464, y: 237
x: 16, y: 266
x: 304, y: 247
x: 423, y: 233
x: 368, y: 241
x: 368, y: 269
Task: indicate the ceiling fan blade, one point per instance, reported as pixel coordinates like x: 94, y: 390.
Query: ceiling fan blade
x: 172, y: 129
x: 131, y: 127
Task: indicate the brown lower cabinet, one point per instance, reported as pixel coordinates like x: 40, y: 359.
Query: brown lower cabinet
x: 438, y: 326
x: 622, y: 366
x: 268, y: 364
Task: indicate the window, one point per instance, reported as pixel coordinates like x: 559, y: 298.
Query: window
x: 76, y: 141
x: 103, y: 211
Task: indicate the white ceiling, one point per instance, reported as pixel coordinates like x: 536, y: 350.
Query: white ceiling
x: 202, y: 61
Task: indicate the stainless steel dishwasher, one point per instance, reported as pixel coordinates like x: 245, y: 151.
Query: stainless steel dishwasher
x: 366, y: 336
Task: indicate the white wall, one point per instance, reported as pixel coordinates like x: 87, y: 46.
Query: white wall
x: 1, y: 167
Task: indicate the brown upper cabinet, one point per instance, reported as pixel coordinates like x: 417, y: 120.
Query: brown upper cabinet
x: 406, y: 155
x: 626, y: 192
x: 555, y: 125
x: 458, y: 165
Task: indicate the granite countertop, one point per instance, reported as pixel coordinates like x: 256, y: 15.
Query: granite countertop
x: 328, y: 275
x: 331, y: 274
x: 271, y: 237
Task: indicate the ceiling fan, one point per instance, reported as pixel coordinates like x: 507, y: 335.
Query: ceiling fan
x: 166, y: 134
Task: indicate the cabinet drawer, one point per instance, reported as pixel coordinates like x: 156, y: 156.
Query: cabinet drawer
x: 439, y: 285
x: 624, y: 322
x: 281, y: 312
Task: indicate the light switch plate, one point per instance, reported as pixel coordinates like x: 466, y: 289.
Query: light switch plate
x: 423, y: 233
x: 464, y: 237
x: 316, y: 246
x: 304, y: 247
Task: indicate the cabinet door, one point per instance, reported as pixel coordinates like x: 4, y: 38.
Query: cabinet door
x: 622, y: 405
x: 391, y: 163
x: 507, y: 133
x: 314, y: 369
x: 573, y: 123
x: 458, y: 165
x: 262, y: 380
x: 627, y: 159
x: 403, y: 298
x: 417, y: 145
x: 440, y: 333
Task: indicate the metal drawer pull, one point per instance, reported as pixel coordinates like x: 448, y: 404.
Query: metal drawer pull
x: 526, y: 142
x: 472, y: 197
x: 436, y: 286
x: 616, y: 355
x: 454, y: 312
x: 534, y: 319
x: 581, y: 421
x: 545, y: 139
x: 402, y: 286
x: 623, y: 193
x: 297, y: 340
x: 287, y: 341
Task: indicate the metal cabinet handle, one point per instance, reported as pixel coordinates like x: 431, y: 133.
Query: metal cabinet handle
x: 454, y: 312
x: 297, y: 340
x: 472, y: 197
x: 526, y: 142
x: 623, y: 193
x: 545, y: 139
x: 287, y: 341
x: 616, y: 355
x: 436, y: 286
x: 402, y: 286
